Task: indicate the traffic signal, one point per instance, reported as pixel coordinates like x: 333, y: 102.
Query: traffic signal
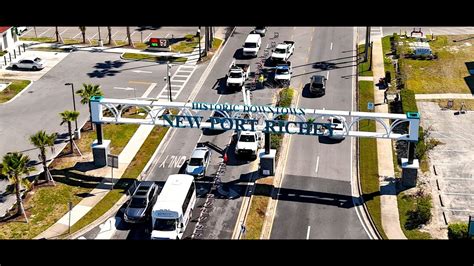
x: 154, y: 42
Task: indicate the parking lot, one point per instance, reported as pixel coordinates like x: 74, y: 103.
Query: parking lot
x: 138, y: 34
x: 452, y: 176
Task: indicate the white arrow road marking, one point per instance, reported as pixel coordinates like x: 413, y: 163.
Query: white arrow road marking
x: 327, y: 75
x: 307, y: 233
x: 141, y: 71
x: 164, y: 162
x: 317, y: 165
x: 121, y: 88
x: 331, y: 46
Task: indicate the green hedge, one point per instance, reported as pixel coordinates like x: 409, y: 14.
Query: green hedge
x: 457, y: 231
x: 408, y: 101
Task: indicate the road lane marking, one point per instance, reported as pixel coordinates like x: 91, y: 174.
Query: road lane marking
x: 327, y: 75
x: 317, y: 165
x: 44, y: 32
x: 114, y: 34
x: 148, y: 91
x: 140, y: 82
x: 77, y: 35
x: 142, y: 71
x: 322, y: 117
x: 126, y: 89
x: 331, y: 46
x: 63, y: 31
x: 307, y: 233
x: 147, y: 37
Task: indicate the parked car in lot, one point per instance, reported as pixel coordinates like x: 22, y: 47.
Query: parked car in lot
x: 29, y: 63
x: 199, y: 161
x: 141, y: 202
x: 260, y: 30
x: 317, y: 85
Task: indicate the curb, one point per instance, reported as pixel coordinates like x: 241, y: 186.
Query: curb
x: 20, y: 93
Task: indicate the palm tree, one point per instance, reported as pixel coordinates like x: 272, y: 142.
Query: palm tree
x: 41, y: 140
x: 129, y: 37
x: 83, y: 31
x: 109, y: 31
x: 87, y: 91
x: 69, y: 116
x: 14, y: 165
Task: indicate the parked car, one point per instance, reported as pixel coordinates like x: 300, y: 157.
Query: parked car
x: 260, y: 30
x: 199, y: 161
x: 29, y: 63
x: 141, y: 202
x: 317, y: 85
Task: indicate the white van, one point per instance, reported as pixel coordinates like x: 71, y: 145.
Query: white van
x: 173, y: 208
x: 252, y: 45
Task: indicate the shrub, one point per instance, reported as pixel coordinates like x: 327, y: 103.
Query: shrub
x: 286, y: 96
x: 457, y: 231
x: 421, y: 214
x: 275, y: 140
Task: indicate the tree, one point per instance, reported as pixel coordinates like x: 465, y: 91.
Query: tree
x: 109, y: 32
x: 128, y: 36
x: 14, y: 165
x: 68, y: 117
x: 83, y: 31
x: 87, y: 91
x: 41, y: 140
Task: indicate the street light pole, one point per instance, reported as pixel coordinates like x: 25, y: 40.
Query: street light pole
x: 169, y: 79
x: 100, y: 39
x: 73, y: 99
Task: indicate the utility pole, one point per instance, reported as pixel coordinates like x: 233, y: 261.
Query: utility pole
x: 199, y: 41
x: 206, y: 39
x: 100, y: 39
x: 57, y: 34
x: 367, y: 41
x: 211, y: 37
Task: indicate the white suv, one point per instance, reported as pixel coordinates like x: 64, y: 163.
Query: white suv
x: 29, y: 63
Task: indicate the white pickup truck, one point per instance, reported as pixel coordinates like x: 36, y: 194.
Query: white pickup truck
x: 248, y: 143
x: 237, y: 75
x: 283, y: 73
x: 283, y: 51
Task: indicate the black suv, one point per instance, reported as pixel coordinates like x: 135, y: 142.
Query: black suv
x: 141, y: 202
x: 317, y: 85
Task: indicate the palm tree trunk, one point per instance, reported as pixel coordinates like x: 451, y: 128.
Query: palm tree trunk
x: 128, y: 36
x: 57, y: 34
x: 47, y: 175
x: 84, y: 37
x: 109, y: 29
x: 70, y: 135
x: 19, y: 202
x: 90, y: 116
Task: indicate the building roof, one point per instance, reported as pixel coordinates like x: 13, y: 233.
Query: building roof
x: 4, y: 28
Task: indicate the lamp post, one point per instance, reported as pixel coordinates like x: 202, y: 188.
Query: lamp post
x: 100, y: 39
x: 169, y: 78
x: 76, y: 132
x: 199, y: 41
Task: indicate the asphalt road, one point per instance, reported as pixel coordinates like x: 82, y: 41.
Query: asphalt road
x: 316, y: 189
x: 38, y: 108
x: 220, y: 219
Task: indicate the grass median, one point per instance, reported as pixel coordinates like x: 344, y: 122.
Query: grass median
x: 368, y: 162
x: 13, y: 89
x: 153, y: 58
x: 38, y: 39
x: 406, y: 205
x: 263, y: 187
x: 189, y: 43
x: 131, y: 173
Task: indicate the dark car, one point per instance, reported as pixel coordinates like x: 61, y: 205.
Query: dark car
x: 317, y: 85
x: 141, y: 202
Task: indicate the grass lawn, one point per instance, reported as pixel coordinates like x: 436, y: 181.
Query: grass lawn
x: 40, y: 39
x: 13, y: 89
x: 73, y: 41
x: 118, y: 134
x: 130, y: 174
x: 2, y: 53
x: 364, y: 67
x: 153, y: 58
x: 186, y: 46
x: 258, y: 208
x: 140, y: 45
x: 405, y: 204
x: 48, y: 49
x: 44, y: 207
x: 368, y: 163
x: 121, y: 43
x: 448, y: 73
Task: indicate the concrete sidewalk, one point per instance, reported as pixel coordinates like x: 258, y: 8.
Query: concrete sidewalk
x: 388, y: 198
x: 445, y: 96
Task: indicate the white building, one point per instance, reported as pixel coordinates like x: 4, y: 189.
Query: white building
x: 7, y: 38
